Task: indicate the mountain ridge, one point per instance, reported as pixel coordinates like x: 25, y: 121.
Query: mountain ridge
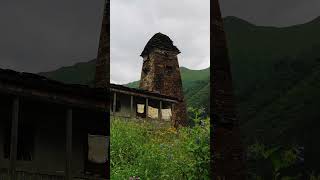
x: 237, y: 20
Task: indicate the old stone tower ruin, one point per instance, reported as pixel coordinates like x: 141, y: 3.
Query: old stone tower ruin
x: 227, y: 149
x: 161, y: 73
x: 102, y: 74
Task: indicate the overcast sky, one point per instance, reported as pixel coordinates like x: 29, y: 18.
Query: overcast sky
x: 43, y: 35
x: 272, y: 12
x: 134, y: 22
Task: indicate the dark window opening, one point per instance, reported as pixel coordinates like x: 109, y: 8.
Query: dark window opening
x: 169, y: 69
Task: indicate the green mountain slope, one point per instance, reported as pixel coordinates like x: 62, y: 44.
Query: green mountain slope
x: 80, y: 73
x: 276, y: 80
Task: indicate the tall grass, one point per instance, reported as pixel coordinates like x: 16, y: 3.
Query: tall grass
x: 149, y: 152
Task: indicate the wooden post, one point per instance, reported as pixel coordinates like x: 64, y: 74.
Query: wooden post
x: 131, y: 106
x: 69, y: 144
x: 114, y: 102
x: 160, y: 111
x: 147, y: 108
x: 172, y: 107
x: 14, y: 137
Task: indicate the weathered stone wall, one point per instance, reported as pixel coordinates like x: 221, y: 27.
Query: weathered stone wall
x: 161, y: 73
x: 148, y: 74
x: 227, y: 150
x: 102, y: 74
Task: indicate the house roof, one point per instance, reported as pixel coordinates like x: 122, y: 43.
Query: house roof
x: 160, y: 41
x: 141, y: 93
x: 29, y: 84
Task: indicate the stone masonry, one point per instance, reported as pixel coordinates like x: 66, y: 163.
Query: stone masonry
x: 102, y: 74
x: 227, y: 150
x: 161, y: 74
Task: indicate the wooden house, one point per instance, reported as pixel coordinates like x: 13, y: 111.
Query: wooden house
x: 48, y: 129
x: 134, y: 103
x: 52, y: 130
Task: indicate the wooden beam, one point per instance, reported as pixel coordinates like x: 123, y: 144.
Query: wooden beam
x: 114, y: 102
x: 144, y: 95
x: 58, y: 98
x: 69, y: 144
x: 14, y: 137
x: 131, y: 106
x: 147, y: 108
x: 160, y: 111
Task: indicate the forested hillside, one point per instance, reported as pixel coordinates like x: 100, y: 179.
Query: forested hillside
x: 276, y: 74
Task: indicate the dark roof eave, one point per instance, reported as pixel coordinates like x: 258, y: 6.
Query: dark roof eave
x: 142, y: 92
x: 29, y: 80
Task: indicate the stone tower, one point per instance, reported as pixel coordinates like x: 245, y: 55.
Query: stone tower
x: 161, y: 73
x: 226, y: 149
x: 102, y: 74
x: 101, y: 80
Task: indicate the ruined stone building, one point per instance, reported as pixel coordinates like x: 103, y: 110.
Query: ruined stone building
x: 160, y: 95
x: 226, y: 150
x: 52, y: 130
x: 161, y: 73
x: 102, y: 73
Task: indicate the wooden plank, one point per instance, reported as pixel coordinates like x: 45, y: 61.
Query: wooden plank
x: 81, y: 102
x: 14, y: 137
x: 114, y: 102
x: 69, y: 144
x: 147, y: 108
x: 131, y: 106
x: 143, y: 95
x: 160, y: 111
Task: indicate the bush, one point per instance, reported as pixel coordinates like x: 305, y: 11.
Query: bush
x: 275, y: 162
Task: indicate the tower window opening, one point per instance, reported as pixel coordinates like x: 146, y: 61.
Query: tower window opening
x: 169, y: 69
